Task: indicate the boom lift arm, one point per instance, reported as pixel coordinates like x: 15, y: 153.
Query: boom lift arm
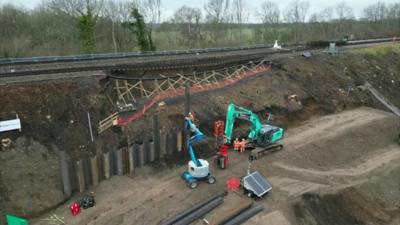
x: 198, y: 169
x: 198, y: 136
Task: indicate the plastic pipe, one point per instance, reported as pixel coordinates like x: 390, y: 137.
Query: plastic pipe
x: 188, y: 211
x: 200, y: 212
x: 245, y: 215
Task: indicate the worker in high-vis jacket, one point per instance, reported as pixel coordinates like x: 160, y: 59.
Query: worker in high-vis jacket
x: 242, y: 145
x: 236, y: 144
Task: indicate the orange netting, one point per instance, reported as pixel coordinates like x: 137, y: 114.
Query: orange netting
x: 123, y: 121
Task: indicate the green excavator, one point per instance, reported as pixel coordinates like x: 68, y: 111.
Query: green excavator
x: 263, y: 136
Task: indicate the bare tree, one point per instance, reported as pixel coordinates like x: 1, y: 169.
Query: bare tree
x: 77, y: 8
x: 118, y: 12
x: 151, y: 10
x: 344, y: 11
x: 326, y: 14
x: 296, y: 12
x: 217, y: 10
x: 269, y: 12
x: 375, y: 12
x: 240, y: 14
x: 87, y: 12
x: 188, y: 21
x: 393, y: 11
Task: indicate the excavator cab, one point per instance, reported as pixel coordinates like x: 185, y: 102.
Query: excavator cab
x: 269, y: 134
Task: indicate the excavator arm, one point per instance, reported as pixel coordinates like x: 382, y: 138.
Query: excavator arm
x: 235, y: 112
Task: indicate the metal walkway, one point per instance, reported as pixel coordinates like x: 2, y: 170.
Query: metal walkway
x: 382, y: 98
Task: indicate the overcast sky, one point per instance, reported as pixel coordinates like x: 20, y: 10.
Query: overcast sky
x: 170, y: 5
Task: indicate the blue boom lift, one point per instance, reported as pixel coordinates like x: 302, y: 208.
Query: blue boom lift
x: 198, y: 169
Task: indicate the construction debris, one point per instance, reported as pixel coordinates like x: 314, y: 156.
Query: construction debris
x: 6, y: 142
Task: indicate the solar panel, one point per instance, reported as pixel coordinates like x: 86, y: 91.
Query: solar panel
x: 258, y: 183
x: 261, y: 180
x: 254, y: 186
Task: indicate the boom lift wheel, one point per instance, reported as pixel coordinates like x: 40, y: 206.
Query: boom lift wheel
x: 211, y: 179
x: 192, y: 184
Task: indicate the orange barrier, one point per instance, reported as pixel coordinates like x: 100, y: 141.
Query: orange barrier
x: 123, y: 121
x: 219, y: 128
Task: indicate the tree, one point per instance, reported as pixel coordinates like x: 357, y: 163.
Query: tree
x: 393, y: 11
x: 138, y: 27
x: 326, y: 15
x: 296, y: 12
x: 344, y: 14
x: 375, y: 12
x: 217, y: 10
x: 118, y: 12
x: 217, y: 13
x: 188, y: 21
x: 151, y: 10
x: 269, y: 12
x: 86, y: 26
x: 14, y: 37
x: 240, y: 14
x: 321, y: 23
x: 343, y: 11
x: 87, y: 12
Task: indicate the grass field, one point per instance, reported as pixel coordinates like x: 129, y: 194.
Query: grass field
x: 380, y: 49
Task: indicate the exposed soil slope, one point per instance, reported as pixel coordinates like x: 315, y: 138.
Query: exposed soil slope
x: 54, y: 117
x: 298, y: 197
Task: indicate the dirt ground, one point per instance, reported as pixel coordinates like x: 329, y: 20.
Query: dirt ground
x: 350, y: 188
x: 54, y: 118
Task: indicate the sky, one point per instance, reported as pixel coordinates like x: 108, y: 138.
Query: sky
x: 169, y: 6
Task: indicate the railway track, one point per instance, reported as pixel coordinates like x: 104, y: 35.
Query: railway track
x: 196, y: 60
x: 143, y: 64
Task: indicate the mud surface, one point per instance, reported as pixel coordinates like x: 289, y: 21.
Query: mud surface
x: 31, y: 177
x: 54, y: 117
x: 298, y: 196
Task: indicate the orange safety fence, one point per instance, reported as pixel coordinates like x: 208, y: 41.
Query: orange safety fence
x: 123, y: 121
